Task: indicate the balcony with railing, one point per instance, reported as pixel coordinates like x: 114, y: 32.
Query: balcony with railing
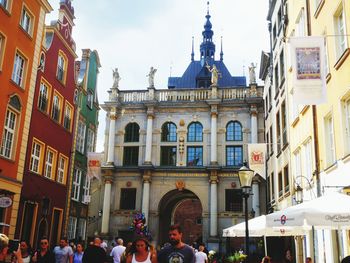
x: 187, y: 95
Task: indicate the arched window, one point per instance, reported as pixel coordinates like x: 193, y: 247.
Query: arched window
x: 8, y: 141
x: 132, y: 132
x: 234, y: 131
x: 195, y: 132
x: 169, y: 132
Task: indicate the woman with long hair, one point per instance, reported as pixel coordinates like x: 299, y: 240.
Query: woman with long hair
x: 141, y: 252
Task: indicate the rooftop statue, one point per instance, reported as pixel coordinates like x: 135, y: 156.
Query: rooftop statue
x: 150, y: 76
x: 214, y: 74
x: 116, y: 78
x: 252, y: 78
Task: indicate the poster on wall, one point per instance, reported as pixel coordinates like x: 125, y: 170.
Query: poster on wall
x: 308, y: 70
x: 94, y: 165
x: 257, y: 158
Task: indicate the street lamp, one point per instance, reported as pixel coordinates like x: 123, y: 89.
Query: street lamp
x: 245, y: 176
x: 299, y: 194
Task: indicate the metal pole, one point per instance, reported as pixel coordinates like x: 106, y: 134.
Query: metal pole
x: 246, y: 224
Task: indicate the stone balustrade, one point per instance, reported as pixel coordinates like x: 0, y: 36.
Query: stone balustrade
x: 177, y: 95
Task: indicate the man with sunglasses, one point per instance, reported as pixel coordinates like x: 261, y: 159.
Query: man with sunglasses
x: 43, y: 254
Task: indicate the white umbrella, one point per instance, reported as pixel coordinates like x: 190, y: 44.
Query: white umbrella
x: 257, y: 228
x: 331, y: 211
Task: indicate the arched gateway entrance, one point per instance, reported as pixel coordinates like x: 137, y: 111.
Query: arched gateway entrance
x: 184, y: 208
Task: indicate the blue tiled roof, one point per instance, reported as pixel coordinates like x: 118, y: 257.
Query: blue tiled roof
x: 195, y: 69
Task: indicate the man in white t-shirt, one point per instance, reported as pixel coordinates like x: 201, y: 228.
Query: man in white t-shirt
x: 201, y: 257
x: 117, y: 251
x: 63, y: 252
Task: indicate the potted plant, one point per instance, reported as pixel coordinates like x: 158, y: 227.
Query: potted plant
x: 237, y: 257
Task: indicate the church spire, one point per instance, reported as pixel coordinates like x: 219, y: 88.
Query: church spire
x: 221, y: 52
x: 192, y: 54
x: 207, y: 48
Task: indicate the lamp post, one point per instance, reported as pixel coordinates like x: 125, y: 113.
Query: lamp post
x: 245, y: 176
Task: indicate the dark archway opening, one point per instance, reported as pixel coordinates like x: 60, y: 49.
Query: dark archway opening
x: 184, y: 208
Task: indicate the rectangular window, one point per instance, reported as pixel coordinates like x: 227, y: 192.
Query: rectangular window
x: 56, y: 226
x: 234, y: 156
x: 4, y: 4
x: 346, y: 106
x: 86, y: 190
x: 61, y: 68
x: 329, y: 136
x: 36, y: 159
x: 168, y: 155
x: 284, y: 123
x: 90, y: 142
x: 2, y: 48
x: 272, y: 186
x: 50, y: 163
x: 56, y: 110
x: 90, y: 99
x: 267, y: 138
x: 340, y: 31
x: 276, y: 80
x: 308, y: 159
x: 8, y: 139
x: 297, y: 163
x: 300, y: 24
x: 131, y: 156
x: 62, y: 168
x: 26, y: 21
x: 194, y: 156
x: 19, y: 70
x: 68, y: 116
x: 76, y: 184
x: 278, y: 133
x: 72, y: 226
x: 280, y: 184
x: 81, y: 136
x: 43, y: 100
x: 127, y: 198
x: 233, y: 200
x: 271, y: 140
x: 81, y: 229
x: 286, y: 178
x: 282, y: 66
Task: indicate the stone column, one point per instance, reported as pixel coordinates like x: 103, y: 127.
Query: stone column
x: 254, y: 124
x: 213, y: 137
x: 111, y: 137
x: 148, y: 154
x: 145, y: 195
x: 255, y: 197
x: 213, y: 204
x: 106, y: 205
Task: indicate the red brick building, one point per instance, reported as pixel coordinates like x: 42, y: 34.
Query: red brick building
x: 48, y: 160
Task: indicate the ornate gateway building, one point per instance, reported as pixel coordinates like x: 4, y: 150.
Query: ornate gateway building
x: 174, y: 153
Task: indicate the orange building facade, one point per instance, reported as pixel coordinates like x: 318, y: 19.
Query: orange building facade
x: 21, y: 34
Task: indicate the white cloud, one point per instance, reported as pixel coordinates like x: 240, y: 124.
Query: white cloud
x: 134, y: 35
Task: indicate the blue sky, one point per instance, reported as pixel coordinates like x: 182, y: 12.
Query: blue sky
x: 137, y: 34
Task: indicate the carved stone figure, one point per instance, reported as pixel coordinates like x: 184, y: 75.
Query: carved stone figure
x: 116, y: 78
x: 214, y: 74
x: 150, y: 76
x: 252, y: 78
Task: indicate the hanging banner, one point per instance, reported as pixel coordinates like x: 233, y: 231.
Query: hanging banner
x: 94, y: 165
x: 257, y: 158
x: 308, y: 70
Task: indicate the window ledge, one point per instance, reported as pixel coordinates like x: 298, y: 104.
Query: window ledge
x: 286, y: 194
x: 342, y: 59
x: 7, y: 12
x: 328, y: 77
x: 295, y: 122
x: 331, y: 167
x: 15, y: 84
x: 304, y: 110
x: 346, y: 158
x: 285, y: 146
x: 279, y: 154
x: 319, y: 8
x: 7, y: 159
x: 26, y: 33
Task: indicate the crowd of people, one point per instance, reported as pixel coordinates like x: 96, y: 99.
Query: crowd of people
x: 138, y: 251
